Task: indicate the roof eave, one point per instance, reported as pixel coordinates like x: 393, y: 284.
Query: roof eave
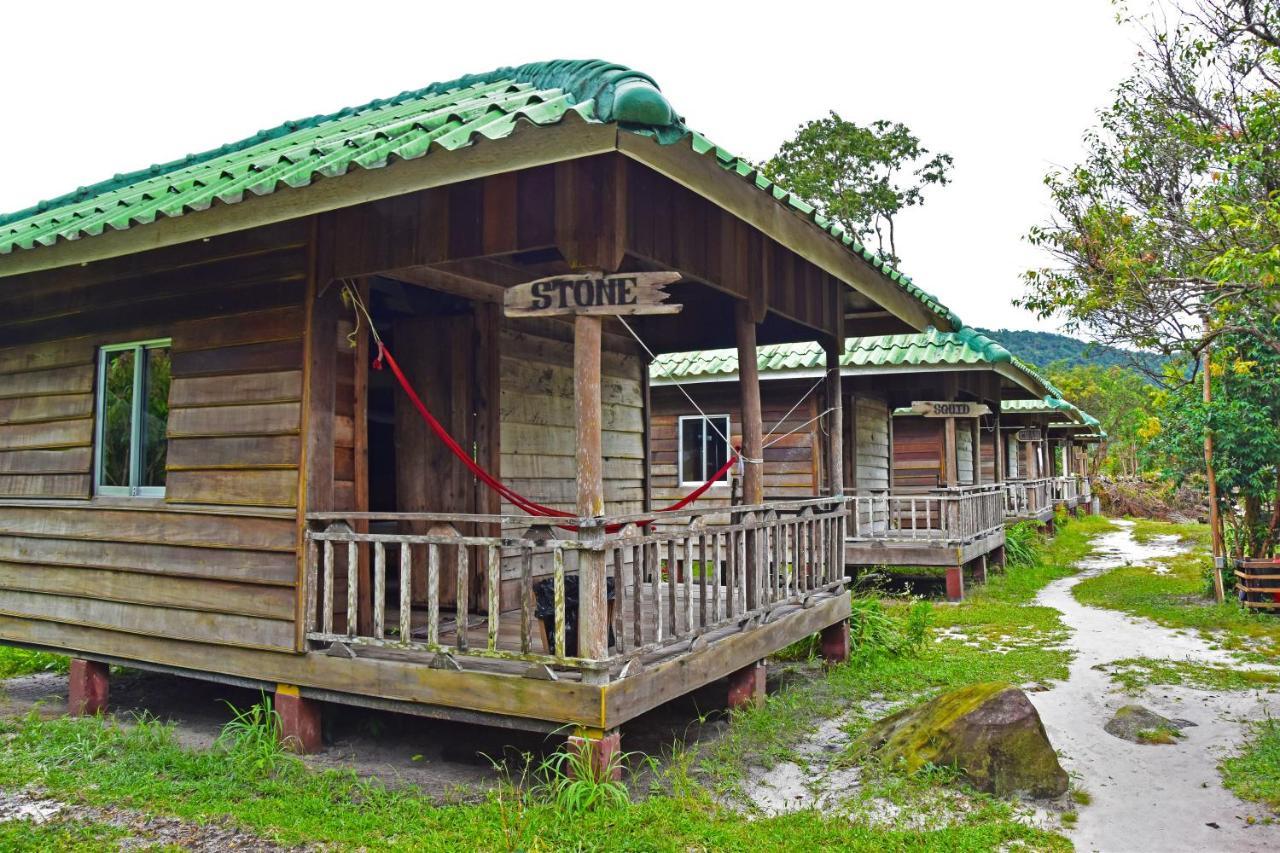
x: 527, y: 147
x: 704, y: 176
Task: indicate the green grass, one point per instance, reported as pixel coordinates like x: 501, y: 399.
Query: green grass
x: 1255, y: 773
x: 15, y: 662
x: 1176, y: 598
x: 142, y: 766
x: 60, y: 834
x: 994, y: 635
x: 1134, y: 674
x: 1191, y: 534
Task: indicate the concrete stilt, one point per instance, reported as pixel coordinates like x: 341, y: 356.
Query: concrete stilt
x: 602, y: 751
x: 980, y: 569
x: 746, y: 686
x: 955, y: 583
x: 998, y: 557
x: 834, y: 642
x: 299, y: 720
x: 89, y: 685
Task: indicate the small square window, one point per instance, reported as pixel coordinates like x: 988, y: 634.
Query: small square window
x: 704, y: 448
x: 133, y: 419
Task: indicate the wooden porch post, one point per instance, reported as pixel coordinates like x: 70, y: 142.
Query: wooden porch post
x: 975, y: 429
x: 593, y: 627
x: 835, y: 402
x: 950, y: 459
x: 999, y: 448
x: 752, y: 428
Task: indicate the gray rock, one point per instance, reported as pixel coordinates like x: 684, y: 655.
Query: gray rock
x: 1137, y: 724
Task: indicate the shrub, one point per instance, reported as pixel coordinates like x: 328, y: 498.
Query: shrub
x: 1023, y: 545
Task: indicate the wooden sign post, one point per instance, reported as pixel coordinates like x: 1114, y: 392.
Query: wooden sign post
x: 946, y: 409
x: 593, y: 294
x: 588, y: 298
x: 1027, y: 435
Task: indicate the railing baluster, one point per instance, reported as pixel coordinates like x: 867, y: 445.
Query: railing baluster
x: 462, y: 599
x: 619, y: 598
x: 557, y: 569
x: 328, y: 586
x: 637, y: 594
x: 672, y: 574
x: 526, y: 600
x: 353, y: 588
x: 495, y: 594
x: 688, y: 582
x: 702, y: 580
x: 717, y: 575
x: 406, y: 594
x: 313, y: 574
x: 433, y: 594
x: 655, y: 586
x: 379, y: 590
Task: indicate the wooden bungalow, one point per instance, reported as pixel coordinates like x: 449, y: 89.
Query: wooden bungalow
x: 922, y: 468
x: 1051, y: 466
x: 200, y: 473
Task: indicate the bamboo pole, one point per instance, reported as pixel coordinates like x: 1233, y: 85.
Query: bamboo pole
x: 1215, y: 519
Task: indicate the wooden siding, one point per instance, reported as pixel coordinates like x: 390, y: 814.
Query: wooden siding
x: 964, y: 452
x: 538, y: 442
x: 792, y: 466
x: 917, y: 453
x: 214, y: 561
x: 871, y: 421
x: 988, y: 450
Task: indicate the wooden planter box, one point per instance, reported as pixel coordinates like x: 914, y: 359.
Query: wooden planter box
x: 1258, y: 584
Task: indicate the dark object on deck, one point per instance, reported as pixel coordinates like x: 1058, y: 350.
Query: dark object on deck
x: 990, y: 731
x: 544, y: 608
x: 1258, y: 584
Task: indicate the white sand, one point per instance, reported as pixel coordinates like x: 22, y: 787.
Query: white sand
x: 1147, y: 798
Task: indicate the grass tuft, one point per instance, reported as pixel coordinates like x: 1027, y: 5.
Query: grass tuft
x: 1255, y: 773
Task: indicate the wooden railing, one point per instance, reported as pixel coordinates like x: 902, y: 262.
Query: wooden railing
x: 671, y: 578
x: 941, y: 516
x: 1066, y: 490
x: 1026, y: 498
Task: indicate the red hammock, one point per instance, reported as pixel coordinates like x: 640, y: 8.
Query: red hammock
x: 527, y: 505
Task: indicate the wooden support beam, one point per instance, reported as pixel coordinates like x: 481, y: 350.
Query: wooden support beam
x: 999, y: 448
x: 950, y: 458
x: 593, y: 627
x: 752, y: 429
x: 975, y: 430
x: 835, y: 438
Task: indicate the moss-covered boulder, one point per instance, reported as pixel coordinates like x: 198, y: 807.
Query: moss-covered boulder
x: 1137, y: 724
x: 990, y: 732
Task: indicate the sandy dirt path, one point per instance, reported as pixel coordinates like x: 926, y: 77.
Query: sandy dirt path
x: 1145, y: 797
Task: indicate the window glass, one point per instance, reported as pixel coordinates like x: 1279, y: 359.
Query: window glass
x: 703, y: 448
x: 155, y: 418
x: 117, y: 417
x: 133, y: 417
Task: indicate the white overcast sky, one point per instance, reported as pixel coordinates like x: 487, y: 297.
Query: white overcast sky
x: 1005, y: 86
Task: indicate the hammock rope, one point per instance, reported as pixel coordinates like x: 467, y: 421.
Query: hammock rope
x: 525, y: 504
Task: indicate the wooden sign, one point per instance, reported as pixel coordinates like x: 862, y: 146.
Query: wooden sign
x: 593, y: 293
x: 942, y: 409
x: 1027, y: 435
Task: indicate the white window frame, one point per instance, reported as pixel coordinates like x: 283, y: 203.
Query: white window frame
x: 133, y: 490
x: 728, y: 427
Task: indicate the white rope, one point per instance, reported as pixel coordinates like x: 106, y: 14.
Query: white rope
x: 705, y: 417
x: 803, y: 397
x: 797, y: 429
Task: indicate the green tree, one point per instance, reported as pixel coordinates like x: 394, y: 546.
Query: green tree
x: 860, y: 177
x: 1166, y: 236
x: 1245, y: 418
x: 1120, y: 399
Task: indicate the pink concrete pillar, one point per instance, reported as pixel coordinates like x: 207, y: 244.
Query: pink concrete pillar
x: 834, y: 642
x: 89, y: 685
x: 299, y: 720
x: 746, y: 686
x: 603, y: 751
x: 980, y: 569
x: 955, y: 583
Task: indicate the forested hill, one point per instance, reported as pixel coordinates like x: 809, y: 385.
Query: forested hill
x: 1045, y: 348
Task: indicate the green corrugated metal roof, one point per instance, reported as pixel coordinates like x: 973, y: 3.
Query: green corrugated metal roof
x: 925, y: 349
x: 1051, y: 404
x: 447, y: 115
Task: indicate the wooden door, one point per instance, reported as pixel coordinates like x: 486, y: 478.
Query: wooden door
x: 445, y: 356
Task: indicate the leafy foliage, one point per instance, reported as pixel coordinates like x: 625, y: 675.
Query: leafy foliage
x: 861, y: 177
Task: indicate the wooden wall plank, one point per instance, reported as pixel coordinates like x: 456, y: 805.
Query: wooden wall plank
x: 93, y: 523
x: 262, y: 568
x: 270, y: 487
x: 246, y: 452
x: 76, y: 379
x: 74, y: 433
x: 252, y: 419
x: 16, y: 410
x: 44, y: 485
x: 268, y: 387
x: 69, y: 461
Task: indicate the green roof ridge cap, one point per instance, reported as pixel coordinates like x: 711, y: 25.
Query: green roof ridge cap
x: 619, y: 94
